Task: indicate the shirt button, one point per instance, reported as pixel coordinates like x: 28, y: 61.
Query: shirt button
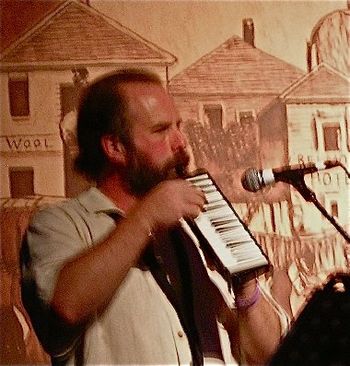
x: 180, y: 333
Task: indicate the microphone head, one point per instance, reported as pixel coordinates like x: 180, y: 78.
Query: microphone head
x: 251, y: 180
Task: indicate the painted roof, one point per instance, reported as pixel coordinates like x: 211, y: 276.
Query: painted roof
x: 77, y: 33
x: 234, y: 68
x: 322, y: 83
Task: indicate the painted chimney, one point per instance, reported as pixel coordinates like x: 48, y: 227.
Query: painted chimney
x: 248, y: 31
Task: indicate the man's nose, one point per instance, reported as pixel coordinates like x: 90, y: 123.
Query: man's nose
x: 179, y: 140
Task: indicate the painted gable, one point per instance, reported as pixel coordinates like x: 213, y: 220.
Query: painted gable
x: 236, y: 68
x: 78, y: 33
x: 323, y: 83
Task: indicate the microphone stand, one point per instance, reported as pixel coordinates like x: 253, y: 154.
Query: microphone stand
x: 298, y: 183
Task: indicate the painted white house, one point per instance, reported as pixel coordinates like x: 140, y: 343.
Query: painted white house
x: 40, y: 78
x: 318, y: 116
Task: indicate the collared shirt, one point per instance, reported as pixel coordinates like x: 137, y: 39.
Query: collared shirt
x: 139, y: 326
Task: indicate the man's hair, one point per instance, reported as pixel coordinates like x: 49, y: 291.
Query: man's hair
x: 103, y: 110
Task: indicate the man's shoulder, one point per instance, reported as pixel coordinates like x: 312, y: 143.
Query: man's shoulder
x: 62, y: 210
x: 81, y: 213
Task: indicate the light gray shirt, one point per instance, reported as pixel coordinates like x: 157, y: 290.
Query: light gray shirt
x: 139, y: 326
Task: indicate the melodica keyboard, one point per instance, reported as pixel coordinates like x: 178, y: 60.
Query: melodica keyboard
x: 223, y: 236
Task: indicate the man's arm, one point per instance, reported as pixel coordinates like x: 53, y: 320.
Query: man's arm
x: 259, y: 326
x: 255, y: 327
x: 87, y: 282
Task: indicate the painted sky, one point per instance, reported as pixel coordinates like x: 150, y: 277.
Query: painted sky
x: 190, y: 29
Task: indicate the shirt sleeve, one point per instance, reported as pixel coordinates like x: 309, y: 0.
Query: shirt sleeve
x: 285, y: 321
x: 52, y: 238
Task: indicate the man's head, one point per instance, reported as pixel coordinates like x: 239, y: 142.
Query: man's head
x: 127, y: 123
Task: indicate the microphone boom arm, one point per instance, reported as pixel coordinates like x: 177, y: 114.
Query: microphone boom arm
x: 299, y: 184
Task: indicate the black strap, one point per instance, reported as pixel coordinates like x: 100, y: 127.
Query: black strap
x: 204, y: 295
x: 191, y: 291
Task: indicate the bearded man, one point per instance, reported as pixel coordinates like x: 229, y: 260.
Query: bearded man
x: 119, y: 280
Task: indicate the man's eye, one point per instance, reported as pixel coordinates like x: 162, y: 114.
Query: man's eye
x: 161, y: 129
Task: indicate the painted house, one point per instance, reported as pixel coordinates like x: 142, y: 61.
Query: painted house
x: 313, y: 117
x: 40, y: 77
x: 318, y: 120
x: 220, y: 97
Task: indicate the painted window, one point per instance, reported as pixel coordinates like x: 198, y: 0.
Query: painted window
x: 246, y: 117
x: 330, y: 131
x: 21, y: 181
x: 213, y: 114
x: 331, y: 136
x: 334, y: 209
x: 19, y: 95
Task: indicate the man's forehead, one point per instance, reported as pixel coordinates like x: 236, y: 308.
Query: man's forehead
x: 147, y: 95
x: 141, y: 87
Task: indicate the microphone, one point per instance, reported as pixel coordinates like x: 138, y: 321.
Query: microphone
x: 253, y: 180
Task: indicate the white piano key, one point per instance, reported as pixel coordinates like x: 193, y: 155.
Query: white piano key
x: 198, y: 178
x: 214, y: 197
x: 227, y: 236
x: 246, y: 265
x: 212, y: 237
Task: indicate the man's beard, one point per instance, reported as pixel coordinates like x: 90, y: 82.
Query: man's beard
x: 142, y: 175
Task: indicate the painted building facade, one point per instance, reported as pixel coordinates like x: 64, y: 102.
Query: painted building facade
x: 41, y: 76
x: 318, y: 115
x: 220, y: 98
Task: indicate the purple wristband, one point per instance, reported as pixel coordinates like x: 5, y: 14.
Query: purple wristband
x: 244, y: 303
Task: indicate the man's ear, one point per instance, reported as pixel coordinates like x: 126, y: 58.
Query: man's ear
x: 114, y: 149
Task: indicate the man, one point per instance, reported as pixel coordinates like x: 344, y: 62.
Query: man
x: 121, y: 280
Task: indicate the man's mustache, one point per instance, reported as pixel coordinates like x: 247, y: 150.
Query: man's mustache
x: 179, y: 163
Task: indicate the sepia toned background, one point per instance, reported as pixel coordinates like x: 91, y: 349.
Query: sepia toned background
x: 259, y: 84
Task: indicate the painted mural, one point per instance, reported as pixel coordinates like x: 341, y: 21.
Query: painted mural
x: 243, y: 107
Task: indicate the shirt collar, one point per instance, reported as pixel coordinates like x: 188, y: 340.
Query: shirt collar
x: 93, y: 200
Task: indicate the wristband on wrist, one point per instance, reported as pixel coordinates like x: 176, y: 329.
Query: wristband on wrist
x: 243, y: 303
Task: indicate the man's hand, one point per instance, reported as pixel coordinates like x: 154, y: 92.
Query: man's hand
x: 168, y: 202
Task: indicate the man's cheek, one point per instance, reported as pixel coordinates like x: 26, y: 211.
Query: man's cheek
x: 160, y: 152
